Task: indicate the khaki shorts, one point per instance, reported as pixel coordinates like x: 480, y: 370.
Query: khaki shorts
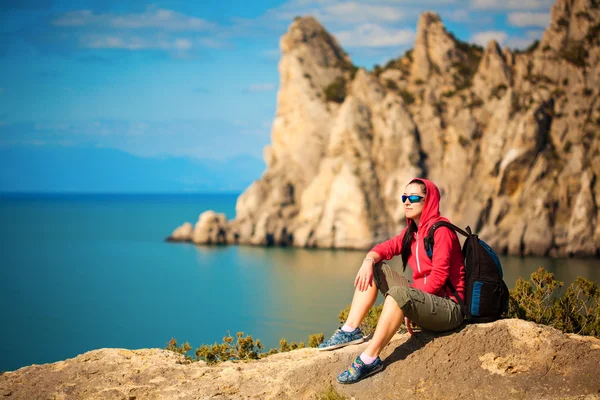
x: 428, y: 311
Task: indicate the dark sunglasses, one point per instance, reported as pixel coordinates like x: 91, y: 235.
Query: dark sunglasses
x: 412, y: 198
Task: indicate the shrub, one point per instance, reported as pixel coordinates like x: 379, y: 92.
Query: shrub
x: 331, y: 394
x: 515, y: 104
x: 419, y: 82
x: 587, y: 92
x: 245, y: 348
x: 475, y: 102
x: 449, y: 93
x: 584, y: 14
x: 238, y: 348
x: 315, y: 340
x: 577, y: 311
x: 499, y: 91
x: 406, y: 96
x: 183, y: 349
x: 575, y: 53
x: 593, y: 35
x: 336, y: 91
x: 390, y: 84
x: 532, y: 47
x: 565, y: 81
x: 369, y: 323
x: 563, y: 22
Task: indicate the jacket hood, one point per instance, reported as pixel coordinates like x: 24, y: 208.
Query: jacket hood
x: 431, y: 208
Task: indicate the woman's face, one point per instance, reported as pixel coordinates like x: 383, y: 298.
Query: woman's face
x: 415, y: 193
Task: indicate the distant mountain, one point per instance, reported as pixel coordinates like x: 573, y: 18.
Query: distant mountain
x: 81, y: 169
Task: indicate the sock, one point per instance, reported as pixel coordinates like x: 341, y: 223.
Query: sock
x: 347, y: 328
x: 367, y: 359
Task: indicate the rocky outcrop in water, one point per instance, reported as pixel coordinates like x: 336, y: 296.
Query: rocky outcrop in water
x: 504, y: 359
x: 511, y: 138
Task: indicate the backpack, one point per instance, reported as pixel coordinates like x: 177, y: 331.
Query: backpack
x: 486, y: 293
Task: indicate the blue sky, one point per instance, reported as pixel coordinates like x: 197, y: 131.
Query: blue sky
x: 193, y: 79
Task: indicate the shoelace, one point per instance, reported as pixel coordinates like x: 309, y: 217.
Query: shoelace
x: 353, y: 367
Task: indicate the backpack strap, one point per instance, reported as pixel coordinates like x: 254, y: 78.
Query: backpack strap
x: 429, y: 242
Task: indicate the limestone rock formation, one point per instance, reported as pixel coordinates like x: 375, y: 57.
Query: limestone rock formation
x: 504, y: 359
x: 512, y: 138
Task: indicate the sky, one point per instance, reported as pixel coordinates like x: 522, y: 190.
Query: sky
x: 193, y: 80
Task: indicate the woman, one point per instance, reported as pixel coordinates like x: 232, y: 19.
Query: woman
x: 428, y: 301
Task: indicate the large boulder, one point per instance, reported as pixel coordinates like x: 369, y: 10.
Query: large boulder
x: 501, y: 360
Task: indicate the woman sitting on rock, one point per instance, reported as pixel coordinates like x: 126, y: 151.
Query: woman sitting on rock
x: 428, y: 302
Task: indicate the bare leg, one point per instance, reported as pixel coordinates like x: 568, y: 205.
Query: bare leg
x: 390, y: 320
x: 361, y: 304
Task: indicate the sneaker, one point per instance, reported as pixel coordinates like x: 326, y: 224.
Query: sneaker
x: 341, y: 338
x: 359, y: 370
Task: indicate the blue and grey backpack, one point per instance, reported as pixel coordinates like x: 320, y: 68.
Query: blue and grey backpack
x: 486, y: 294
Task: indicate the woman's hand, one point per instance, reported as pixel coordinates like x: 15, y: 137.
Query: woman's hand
x: 364, y: 277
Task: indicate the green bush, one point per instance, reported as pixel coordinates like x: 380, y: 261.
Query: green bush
x: 183, y: 349
x: 390, y: 84
x: 244, y: 348
x: 575, y: 53
x: 336, y: 91
x: 369, y: 323
x: 406, y: 96
x: 315, y: 340
x: 499, y: 91
x: 448, y: 93
x: 331, y: 394
x: 239, y: 348
x: 593, y: 35
x: 577, y: 311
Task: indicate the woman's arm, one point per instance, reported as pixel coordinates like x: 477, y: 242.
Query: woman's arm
x: 390, y: 248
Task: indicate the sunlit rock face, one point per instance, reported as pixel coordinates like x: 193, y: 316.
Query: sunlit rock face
x: 511, y: 138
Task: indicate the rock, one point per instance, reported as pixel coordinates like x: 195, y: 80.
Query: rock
x: 211, y: 228
x: 493, y: 74
x: 182, y: 233
x: 435, y: 49
x: 504, y: 359
x: 507, y: 136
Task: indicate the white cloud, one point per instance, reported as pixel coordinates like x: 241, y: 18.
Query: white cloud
x: 540, y: 19
x: 372, y: 35
x: 261, y: 87
x: 459, y: 16
x: 518, y: 43
x: 135, y: 42
x: 524, y: 42
x: 357, y: 13
x: 512, y: 4
x: 483, y: 38
x: 157, y: 18
x: 272, y: 54
x: 534, y: 34
x: 338, y: 12
x: 34, y: 142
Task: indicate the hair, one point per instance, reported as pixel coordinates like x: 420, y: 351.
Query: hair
x: 412, y: 228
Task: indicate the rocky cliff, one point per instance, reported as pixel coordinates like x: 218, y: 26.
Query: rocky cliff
x: 501, y: 360
x: 511, y: 138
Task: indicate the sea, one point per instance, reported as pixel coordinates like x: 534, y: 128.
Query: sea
x: 80, y: 272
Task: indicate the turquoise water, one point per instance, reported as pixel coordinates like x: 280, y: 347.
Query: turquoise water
x: 81, y: 272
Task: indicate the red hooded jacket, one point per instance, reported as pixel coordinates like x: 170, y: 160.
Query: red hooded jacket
x: 429, y: 275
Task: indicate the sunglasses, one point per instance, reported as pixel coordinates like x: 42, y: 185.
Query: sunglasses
x: 412, y: 198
